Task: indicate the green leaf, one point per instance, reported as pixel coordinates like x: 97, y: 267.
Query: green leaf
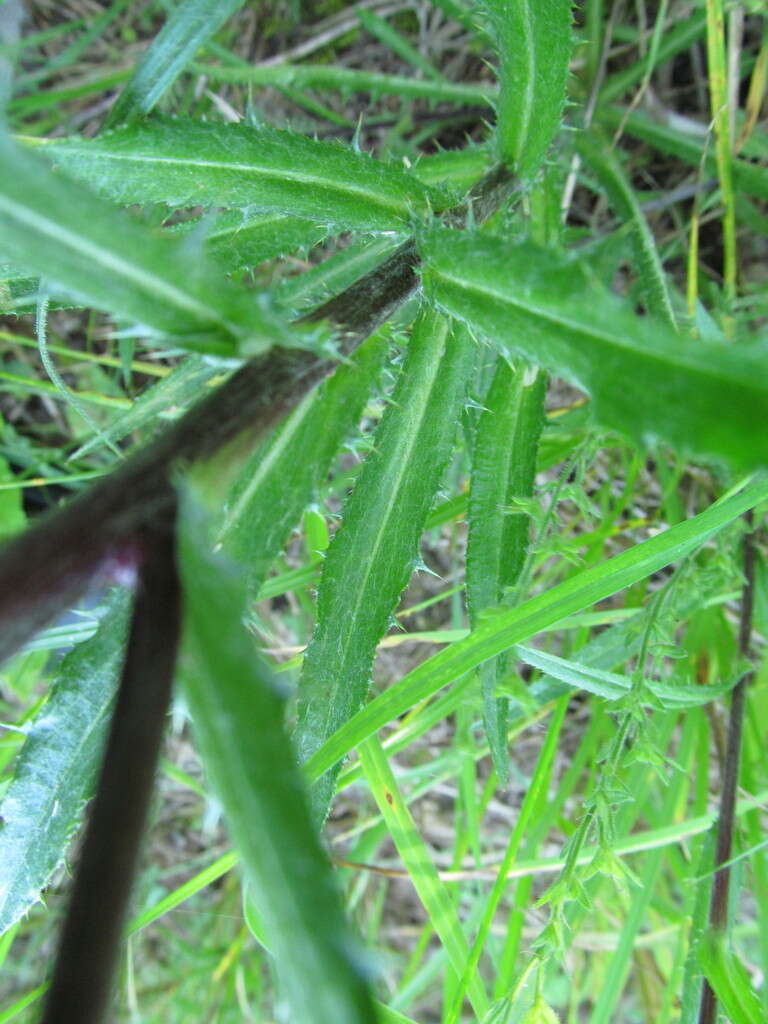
x: 336, y: 272
x: 237, y: 716
x: 56, y: 767
x: 182, y: 162
x: 730, y: 981
x: 377, y: 545
x: 622, y: 196
x: 497, y: 633
x: 57, y: 229
x: 189, y: 26
x: 166, y: 399
x: 645, y: 380
x: 748, y: 177
x: 415, y: 854
x: 12, y: 518
x: 533, y: 38
x: 503, y: 469
x: 261, y: 511
x: 237, y: 240
x: 331, y: 76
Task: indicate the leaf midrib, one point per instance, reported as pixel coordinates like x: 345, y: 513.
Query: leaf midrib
x: 282, y: 173
x: 670, y: 358
x: 403, y: 466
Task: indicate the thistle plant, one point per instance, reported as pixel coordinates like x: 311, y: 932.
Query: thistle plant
x: 321, y: 364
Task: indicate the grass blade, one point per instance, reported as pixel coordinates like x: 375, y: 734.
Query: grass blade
x: 189, y: 26
x: 503, y: 468
x: 645, y: 380
x: 377, y: 545
x: 499, y: 632
x: 440, y: 908
x: 184, y: 162
x: 238, y: 721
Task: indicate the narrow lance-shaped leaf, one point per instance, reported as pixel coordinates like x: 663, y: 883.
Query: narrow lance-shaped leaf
x: 533, y: 38
x: 373, y: 554
x: 503, y: 469
x: 644, y: 379
x: 190, y: 24
x: 497, y: 633
x: 622, y: 197
x: 56, y: 228
x: 56, y: 767
x: 261, y: 510
x: 184, y: 162
x: 237, y: 716
x: 415, y: 854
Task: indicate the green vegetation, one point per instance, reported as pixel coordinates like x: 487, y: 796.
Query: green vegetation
x: 425, y: 349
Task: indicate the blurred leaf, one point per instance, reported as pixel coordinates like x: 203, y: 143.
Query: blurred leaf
x: 169, y: 396
x: 533, y: 38
x: 374, y: 553
x: 503, y: 468
x: 190, y: 24
x: 56, y: 767
x: 12, y: 518
x: 645, y: 380
x: 184, y: 162
x: 57, y: 229
x: 730, y: 981
x: 237, y: 715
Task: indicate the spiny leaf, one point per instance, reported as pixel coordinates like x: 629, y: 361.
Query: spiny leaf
x: 613, y: 179
x: 239, y: 241
x: 378, y: 542
x: 190, y: 24
x: 237, y: 716
x: 645, y: 380
x: 184, y: 162
x: 533, y: 38
x: 56, y: 767
x: 503, y: 469
x: 261, y: 511
x: 56, y: 228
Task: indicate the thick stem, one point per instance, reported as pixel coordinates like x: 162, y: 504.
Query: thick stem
x: 82, y: 975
